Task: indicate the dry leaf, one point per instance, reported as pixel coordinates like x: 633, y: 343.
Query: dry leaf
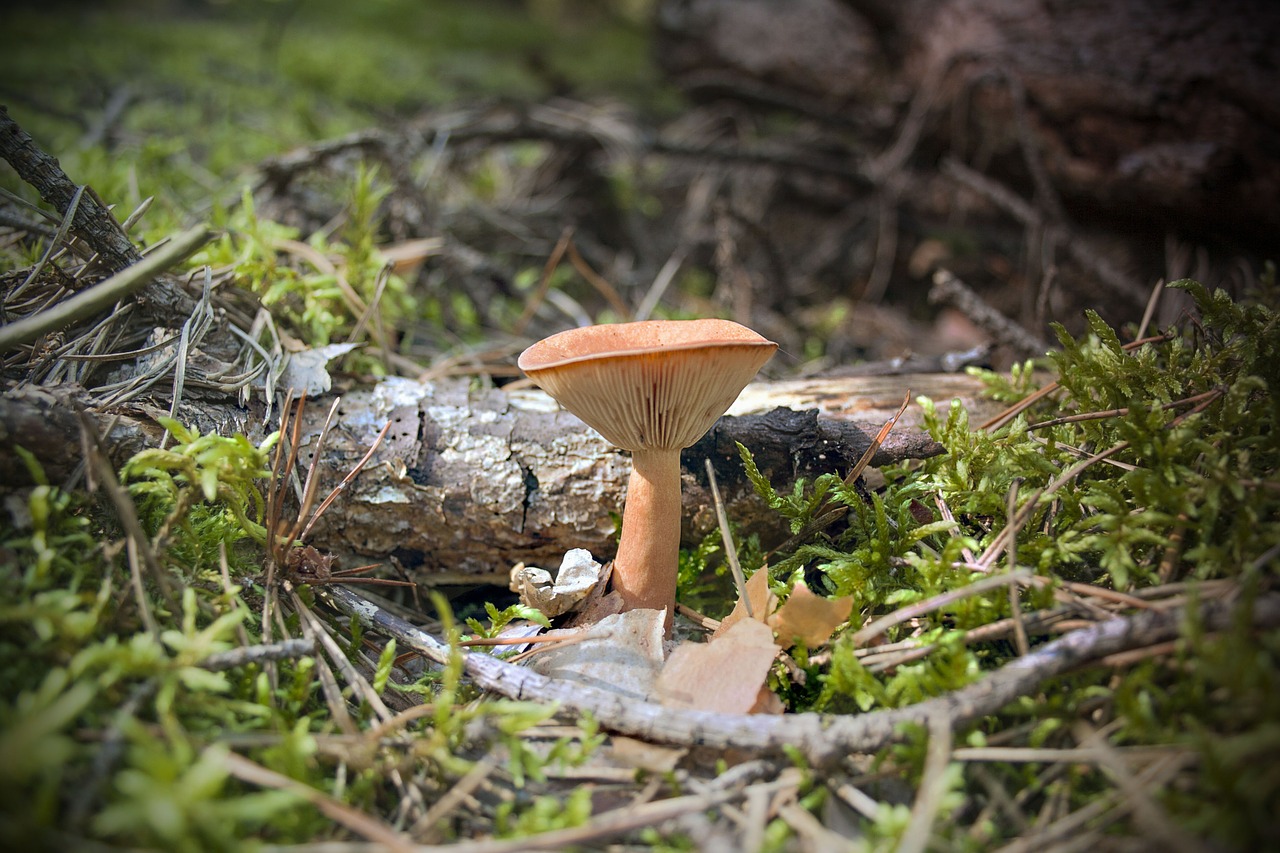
x: 578, y: 575
x: 762, y: 603
x: 622, y: 653
x: 724, y: 675
x: 767, y: 702
x: 306, y: 372
x: 808, y: 618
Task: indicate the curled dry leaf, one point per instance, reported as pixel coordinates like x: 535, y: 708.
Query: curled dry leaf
x: 762, y: 601
x: 725, y: 675
x: 307, y: 372
x: 808, y: 618
x: 579, y: 574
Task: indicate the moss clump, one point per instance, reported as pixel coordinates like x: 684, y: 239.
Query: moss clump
x: 1149, y: 473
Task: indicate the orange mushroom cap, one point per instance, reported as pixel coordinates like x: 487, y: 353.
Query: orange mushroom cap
x: 649, y: 385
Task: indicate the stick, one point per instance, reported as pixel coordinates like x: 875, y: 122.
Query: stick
x: 823, y: 739
x: 952, y: 291
x: 91, y: 219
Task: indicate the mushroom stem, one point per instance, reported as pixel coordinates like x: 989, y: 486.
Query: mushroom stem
x: 644, y: 572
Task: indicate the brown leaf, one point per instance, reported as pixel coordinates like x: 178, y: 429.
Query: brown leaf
x: 762, y: 603
x: 724, y: 675
x: 808, y: 618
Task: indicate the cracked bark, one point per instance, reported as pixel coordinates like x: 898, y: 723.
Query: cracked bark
x: 473, y: 481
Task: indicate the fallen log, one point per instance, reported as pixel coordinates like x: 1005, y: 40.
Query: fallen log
x: 470, y: 480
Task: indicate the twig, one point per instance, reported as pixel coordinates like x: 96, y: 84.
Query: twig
x: 1015, y: 601
x: 1150, y: 310
x: 1029, y: 506
x: 128, y: 515
x: 286, y: 649
x: 730, y: 550
x: 597, y: 281
x: 54, y: 245
x: 826, y: 514
x: 349, y: 672
x: 353, y: 819
x: 912, y: 611
x: 1150, y: 818
x: 1205, y: 396
x: 1079, y: 249
x: 307, y: 500
x: 660, y: 284
x: 1034, y: 397
x: 192, y: 331
x: 608, y: 825
x: 328, y: 682
x: 1108, y: 808
x: 952, y: 291
x: 933, y: 787
x: 822, y: 739
x: 535, y: 301
x: 104, y: 294
x: 346, y: 481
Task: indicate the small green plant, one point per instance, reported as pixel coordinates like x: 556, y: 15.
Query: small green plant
x: 325, y: 289
x: 206, y: 485
x: 500, y: 619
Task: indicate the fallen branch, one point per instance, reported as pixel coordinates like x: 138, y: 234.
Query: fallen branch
x: 91, y: 219
x: 823, y: 739
x: 949, y: 290
x: 471, y: 480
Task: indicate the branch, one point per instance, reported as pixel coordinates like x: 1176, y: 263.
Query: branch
x: 92, y: 221
x: 952, y: 291
x: 822, y: 738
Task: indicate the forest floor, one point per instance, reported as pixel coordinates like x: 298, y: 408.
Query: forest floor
x: 1051, y: 626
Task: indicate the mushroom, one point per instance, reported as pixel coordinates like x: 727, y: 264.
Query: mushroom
x: 653, y: 388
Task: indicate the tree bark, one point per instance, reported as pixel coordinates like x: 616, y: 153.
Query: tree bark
x: 472, y: 481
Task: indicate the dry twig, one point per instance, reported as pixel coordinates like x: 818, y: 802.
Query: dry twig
x: 822, y: 739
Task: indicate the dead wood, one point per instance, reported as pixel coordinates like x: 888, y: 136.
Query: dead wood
x: 91, y: 219
x: 473, y: 480
x: 823, y: 739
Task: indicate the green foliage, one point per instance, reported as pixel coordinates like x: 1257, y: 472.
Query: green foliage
x: 230, y: 84
x: 208, y: 485
x: 455, y: 720
x: 500, y: 619
x: 318, y: 301
x: 76, y: 657
x: 174, y: 798
x: 1188, y: 422
x: 545, y: 813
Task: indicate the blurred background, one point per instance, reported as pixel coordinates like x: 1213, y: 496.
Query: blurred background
x: 486, y: 172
